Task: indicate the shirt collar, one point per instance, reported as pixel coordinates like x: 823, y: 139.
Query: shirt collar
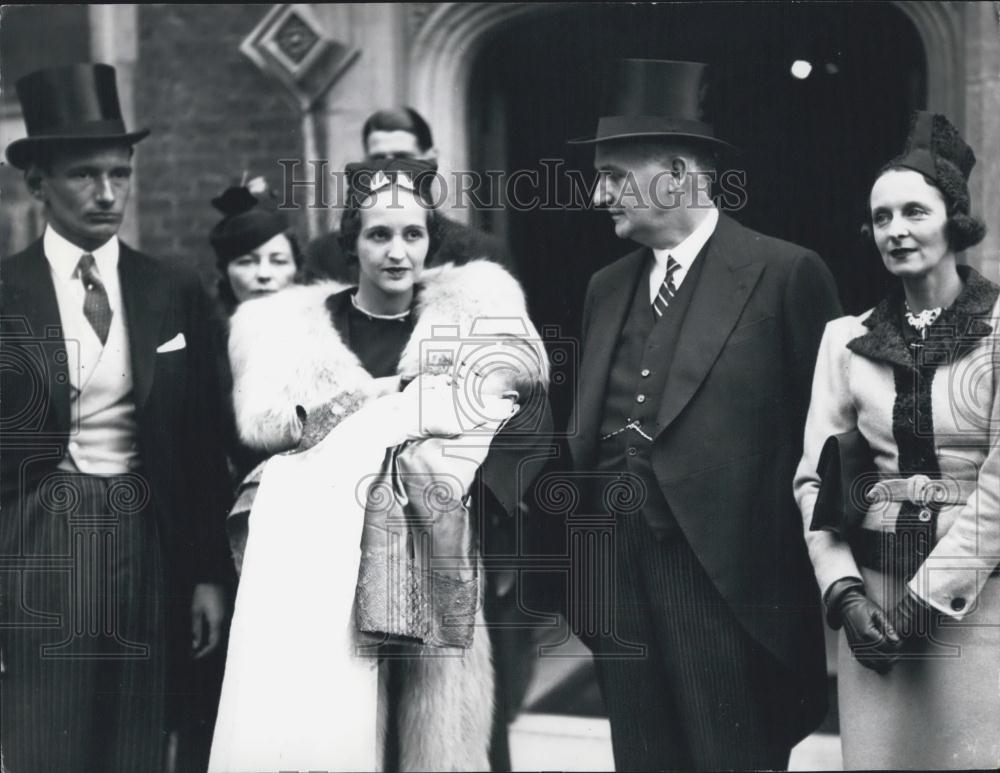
x: 685, y: 252
x: 63, y: 255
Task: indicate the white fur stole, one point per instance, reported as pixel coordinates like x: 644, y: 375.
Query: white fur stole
x: 286, y: 354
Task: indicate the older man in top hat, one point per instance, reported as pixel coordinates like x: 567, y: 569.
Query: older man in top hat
x: 698, y: 351
x: 114, y: 483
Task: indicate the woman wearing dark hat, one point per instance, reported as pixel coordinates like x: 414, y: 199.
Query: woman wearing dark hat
x: 257, y: 255
x: 338, y: 376
x: 914, y: 586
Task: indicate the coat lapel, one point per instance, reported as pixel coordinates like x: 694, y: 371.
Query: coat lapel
x: 727, y: 279
x: 29, y: 295
x: 145, y: 301
x: 960, y: 326
x: 609, y: 314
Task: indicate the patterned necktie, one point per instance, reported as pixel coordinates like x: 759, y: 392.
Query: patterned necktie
x: 667, y: 290
x: 95, y: 304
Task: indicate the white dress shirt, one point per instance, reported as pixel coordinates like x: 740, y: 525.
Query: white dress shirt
x: 103, y: 430
x: 684, y: 253
x: 83, y: 347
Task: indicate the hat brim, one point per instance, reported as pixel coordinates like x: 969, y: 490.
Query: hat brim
x: 20, y: 152
x: 715, y: 141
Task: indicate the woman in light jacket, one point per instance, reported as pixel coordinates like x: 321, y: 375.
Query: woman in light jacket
x: 915, y: 587
x: 384, y: 399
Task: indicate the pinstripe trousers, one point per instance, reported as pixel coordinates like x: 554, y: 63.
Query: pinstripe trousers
x: 83, y: 625
x: 685, y: 686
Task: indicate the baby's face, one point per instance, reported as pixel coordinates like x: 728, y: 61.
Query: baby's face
x: 499, y: 382
x: 486, y: 395
x: 496, y: 370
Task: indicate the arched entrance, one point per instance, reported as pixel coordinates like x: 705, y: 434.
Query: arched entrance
x: 508, y: 85
x: 532, y: 79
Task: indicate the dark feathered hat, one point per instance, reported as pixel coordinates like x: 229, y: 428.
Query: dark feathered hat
x: 936, y: 149
x: 250, y: 218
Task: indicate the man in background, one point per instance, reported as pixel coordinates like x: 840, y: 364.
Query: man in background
x: 401, y: 132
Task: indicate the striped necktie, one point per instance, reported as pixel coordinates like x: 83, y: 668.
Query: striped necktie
x: 667, y: 290
x: 96, y: 308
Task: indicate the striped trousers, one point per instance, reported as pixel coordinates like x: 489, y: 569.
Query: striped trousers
x: 685, y: 686
x: 82, y: 623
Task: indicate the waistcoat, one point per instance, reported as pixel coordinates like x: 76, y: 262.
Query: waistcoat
x: 643, y: 355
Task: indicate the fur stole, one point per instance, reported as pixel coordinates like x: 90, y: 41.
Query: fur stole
x: 289, y: 362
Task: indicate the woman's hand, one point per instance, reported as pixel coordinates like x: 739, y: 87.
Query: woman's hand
x: 871, y: 636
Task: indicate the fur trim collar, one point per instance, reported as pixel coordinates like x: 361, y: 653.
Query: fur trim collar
x: 960, y: 325
x: 288, y: 359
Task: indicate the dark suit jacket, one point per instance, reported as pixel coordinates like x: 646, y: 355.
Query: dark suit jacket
x: 176, y: 396
x: 729, y: 431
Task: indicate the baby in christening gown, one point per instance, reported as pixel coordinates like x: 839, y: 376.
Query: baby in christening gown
x: 298, y: 693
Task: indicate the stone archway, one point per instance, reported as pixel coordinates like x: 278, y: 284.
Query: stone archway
x: 448, y: 38
x: 940, y: 28
x: 447, y: 41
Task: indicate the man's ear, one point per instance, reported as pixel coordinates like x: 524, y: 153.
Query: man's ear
x: 33, y: 177
x: 678, y: 169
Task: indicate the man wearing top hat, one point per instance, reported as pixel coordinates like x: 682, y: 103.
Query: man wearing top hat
x: 698, y: 352
x: 114, y: 486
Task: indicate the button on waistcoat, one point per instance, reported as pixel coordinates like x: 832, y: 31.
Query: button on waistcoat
x: 638, y: 376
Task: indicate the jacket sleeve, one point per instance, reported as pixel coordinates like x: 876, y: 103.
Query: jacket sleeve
x: 831, y: 411
x: 954, y: 573
x: 207, y: 475
x: 810, y: 302
x: 518, y: 454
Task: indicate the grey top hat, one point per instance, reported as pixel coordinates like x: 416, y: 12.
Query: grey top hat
x: 78, y: 102
x: 656, y: 98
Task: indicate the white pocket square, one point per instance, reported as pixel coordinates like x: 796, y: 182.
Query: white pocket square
x: 175, y: 343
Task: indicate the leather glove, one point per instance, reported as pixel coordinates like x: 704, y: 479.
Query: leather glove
x: 872, y: 638
x: 911, y: 618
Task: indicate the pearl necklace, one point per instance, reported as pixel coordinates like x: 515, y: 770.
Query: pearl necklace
x: 373, y: 315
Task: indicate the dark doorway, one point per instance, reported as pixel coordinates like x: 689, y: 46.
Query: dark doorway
x: 810, y: 146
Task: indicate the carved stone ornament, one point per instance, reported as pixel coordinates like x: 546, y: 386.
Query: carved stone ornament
x: 291, y: 45
x: 295, y: 38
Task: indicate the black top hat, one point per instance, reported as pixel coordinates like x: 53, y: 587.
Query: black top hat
x: 656, y: 98
x: 250, y: 218
x: 74, y: 103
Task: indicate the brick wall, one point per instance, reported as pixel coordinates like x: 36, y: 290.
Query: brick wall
x: 213, y: 114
